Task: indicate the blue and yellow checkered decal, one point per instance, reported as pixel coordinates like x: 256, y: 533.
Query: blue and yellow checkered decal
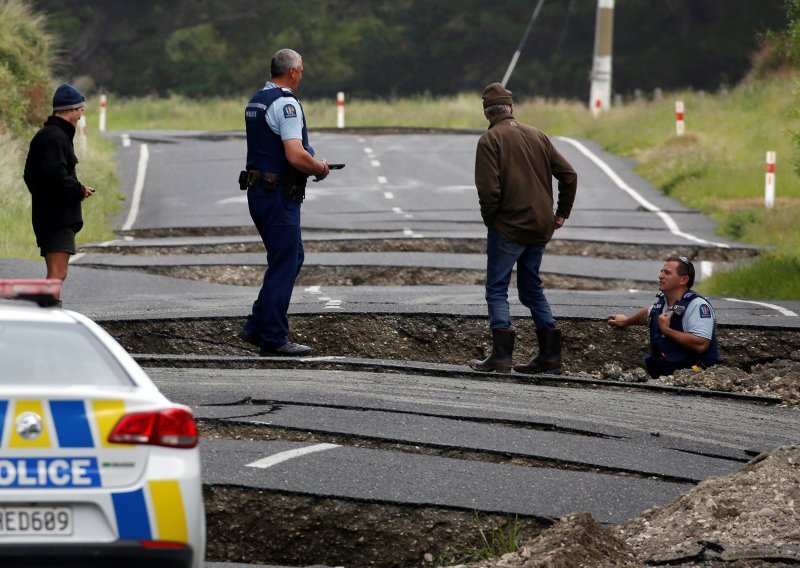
x: 68, y: 424
x: 154, y: 511
x: 3, y: 407
x: 169, y: 517
x: 65, y: 424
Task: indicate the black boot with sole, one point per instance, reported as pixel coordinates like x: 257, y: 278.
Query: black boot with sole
x: 502, y: 350
x: 549, y: 358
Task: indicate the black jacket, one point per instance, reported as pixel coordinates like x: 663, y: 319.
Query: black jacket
x: 51, y: 179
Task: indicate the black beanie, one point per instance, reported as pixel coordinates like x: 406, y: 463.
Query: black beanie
x: 496, y: 94
x: 67, y: 97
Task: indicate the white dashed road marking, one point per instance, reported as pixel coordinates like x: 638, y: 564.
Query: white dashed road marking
x: 275, y: 459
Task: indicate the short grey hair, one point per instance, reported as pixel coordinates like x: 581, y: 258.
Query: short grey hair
x: 283, y: 60
x: 497, y: 109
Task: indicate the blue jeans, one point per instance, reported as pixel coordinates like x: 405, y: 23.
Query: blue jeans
x: 278, y: 221
x: 501, y: 255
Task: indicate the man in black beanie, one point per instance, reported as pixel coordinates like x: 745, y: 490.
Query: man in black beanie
x: 514, y: 169
x: 55, y: 190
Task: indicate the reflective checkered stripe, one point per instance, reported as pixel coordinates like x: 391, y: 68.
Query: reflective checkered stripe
x: 65, y: 423
x: 72, y: 452
x: 161, y: 498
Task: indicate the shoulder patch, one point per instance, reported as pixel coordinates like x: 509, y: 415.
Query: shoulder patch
x: 705, y: 311
x: 289, y: 111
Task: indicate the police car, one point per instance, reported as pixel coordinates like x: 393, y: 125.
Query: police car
x: 97, y: 467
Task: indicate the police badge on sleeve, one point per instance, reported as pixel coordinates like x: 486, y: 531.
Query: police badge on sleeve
x: 705, y: 311
x: 289, y: 111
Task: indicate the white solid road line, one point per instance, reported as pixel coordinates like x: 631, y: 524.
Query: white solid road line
x: 275, y: 459
x: 668, y: 221
x: 780, y: 309
x: 138, y: 186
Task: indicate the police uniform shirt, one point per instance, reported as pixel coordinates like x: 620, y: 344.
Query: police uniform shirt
x: 285, y: 117
x: 698, y: 318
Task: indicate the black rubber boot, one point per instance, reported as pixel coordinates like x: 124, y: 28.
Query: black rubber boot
x: 502, y: 350
x: 549, y: 358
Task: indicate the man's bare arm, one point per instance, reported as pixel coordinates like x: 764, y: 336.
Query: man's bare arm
x: 621, y: 320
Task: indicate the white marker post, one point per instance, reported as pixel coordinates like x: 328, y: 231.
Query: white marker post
x: 679, y: 127
x: 340, y: 110
x: 83, y: 141
x: 769, y: 185
x: 102, y: 119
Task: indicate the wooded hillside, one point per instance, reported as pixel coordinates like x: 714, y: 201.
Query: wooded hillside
x: 389, y: 48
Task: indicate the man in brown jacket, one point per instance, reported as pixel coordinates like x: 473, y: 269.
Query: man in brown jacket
x: 514, y: 169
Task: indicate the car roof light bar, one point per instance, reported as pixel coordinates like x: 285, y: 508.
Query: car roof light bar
x: 43, y: 291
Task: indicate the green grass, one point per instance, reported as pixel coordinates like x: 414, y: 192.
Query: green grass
x: 461, y: 111
x: 772, y: 276
x: 718, y: 168
x: 96, y: 169
x: 494, y: 543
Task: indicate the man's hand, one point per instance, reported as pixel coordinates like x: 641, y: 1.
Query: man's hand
x: 620, y: 320
x: 559, y: 221
x: 617, y: 320
x: 322, y: 175
x: 87, y: 192
x: 663, y: 321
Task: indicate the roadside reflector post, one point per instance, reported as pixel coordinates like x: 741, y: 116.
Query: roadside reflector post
x: 340, y: 110
x: 679, y: 127
x: 769, y: 185
x: 83, y: 141
x: 102, y: 120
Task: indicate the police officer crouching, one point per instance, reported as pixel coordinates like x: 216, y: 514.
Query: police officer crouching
x: 682, y: 323
x: 279, y: 161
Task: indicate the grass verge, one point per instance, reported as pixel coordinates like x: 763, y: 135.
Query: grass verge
x: 97, y: 168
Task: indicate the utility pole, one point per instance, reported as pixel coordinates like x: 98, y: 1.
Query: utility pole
x: 600, y: 93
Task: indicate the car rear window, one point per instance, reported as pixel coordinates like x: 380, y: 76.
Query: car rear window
x: 48, y: 353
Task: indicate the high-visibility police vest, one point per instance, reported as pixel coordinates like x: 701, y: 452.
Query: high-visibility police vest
x: 664, y: 348
x: 265, y: 148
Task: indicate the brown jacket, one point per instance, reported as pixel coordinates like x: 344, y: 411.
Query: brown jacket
x: 514, y: 169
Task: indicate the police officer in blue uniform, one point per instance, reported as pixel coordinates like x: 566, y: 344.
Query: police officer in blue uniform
x: 279, y: 161
x: 681, y: 322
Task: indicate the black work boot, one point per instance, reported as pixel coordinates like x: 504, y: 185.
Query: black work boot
x: 549, y: 358
x: 502, y: 349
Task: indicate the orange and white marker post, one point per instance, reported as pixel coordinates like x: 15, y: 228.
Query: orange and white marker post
x: 102, y: 119
x: 679, y: 127
x: 769, y: 184
x: 340, y: 110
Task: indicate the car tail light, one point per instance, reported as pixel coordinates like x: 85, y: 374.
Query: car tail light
x: 173, y: 427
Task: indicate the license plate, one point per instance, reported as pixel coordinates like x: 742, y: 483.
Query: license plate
x: 35, y: 521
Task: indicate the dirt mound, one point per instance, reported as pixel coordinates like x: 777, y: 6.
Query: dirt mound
x: 747, y: 519
x: 778, y: 378
x: 748, y: 516
x: 575, y: 541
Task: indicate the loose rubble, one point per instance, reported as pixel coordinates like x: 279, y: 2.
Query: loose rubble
x: 779, y: 378
x: 747, y: 519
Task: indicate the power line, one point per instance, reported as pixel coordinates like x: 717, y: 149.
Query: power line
x: 514, y: 59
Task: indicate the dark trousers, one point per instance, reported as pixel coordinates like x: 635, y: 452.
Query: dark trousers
x: 278, y: 221
x: 501, y: 256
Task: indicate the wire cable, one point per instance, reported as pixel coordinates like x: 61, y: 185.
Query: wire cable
x: 514, y: 59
